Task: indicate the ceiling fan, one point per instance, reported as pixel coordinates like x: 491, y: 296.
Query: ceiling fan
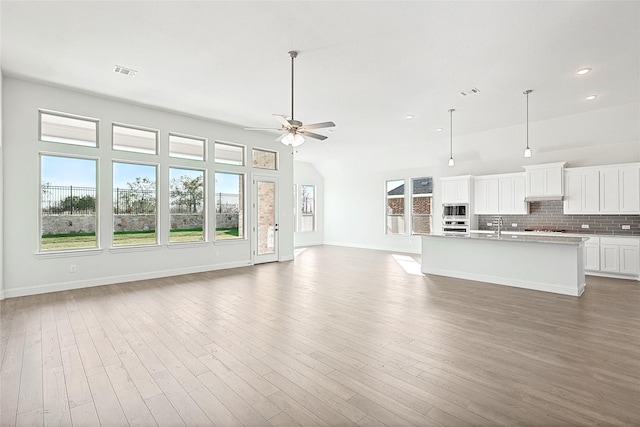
x: 294, y: 129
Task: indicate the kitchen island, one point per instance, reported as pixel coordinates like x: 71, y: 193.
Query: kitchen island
x: 543, y: 263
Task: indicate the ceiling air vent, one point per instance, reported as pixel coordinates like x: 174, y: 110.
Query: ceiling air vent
x: 126, y: 71
x: 470, y: 91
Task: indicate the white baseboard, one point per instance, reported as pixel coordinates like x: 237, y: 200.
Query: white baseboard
x: 612, y: 275
x: 111, y: 280
x: 525, y: 284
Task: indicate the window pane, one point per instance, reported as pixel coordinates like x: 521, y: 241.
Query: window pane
x: 68, y: 129
x: 134, y: 204
x: 68, y: 203
x: 186, y: 195
x: 264, y: 159
x: 307, y: 208
x: 133, y: 139
x: 229, y: 154
x: 421, y: 205
x: 186, y: 147
x: 395, y: 207
x: 229, y: 199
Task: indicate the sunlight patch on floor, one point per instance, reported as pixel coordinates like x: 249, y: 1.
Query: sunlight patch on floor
x: 408, y: 264
x: 298, y: 251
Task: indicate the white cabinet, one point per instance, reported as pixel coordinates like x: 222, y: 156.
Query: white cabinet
x: 603, y: 190
x: 545, y: 181
x: 620, y: 255
x: 486, y: 196
x: 456, y: 189
x: 500, y: 194
x: 620, y: 189
x: 512, y: 193
x: 582, y: 191
x: 592, y: 254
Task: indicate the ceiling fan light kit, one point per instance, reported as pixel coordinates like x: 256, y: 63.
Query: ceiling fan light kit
x: 295, y: 130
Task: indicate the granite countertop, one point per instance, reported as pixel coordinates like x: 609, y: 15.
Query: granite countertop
x: 551, y: 233
x: 524, y: 238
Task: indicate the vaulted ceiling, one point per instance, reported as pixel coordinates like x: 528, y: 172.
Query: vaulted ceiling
x: 364, y: 65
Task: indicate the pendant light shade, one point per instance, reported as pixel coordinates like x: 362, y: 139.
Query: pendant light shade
x: 527, y: 151
x: 451, y: 162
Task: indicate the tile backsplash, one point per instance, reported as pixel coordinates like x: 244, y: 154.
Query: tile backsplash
x: 548, y: 215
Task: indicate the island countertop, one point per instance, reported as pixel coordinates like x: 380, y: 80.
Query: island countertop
x: 525, y: 238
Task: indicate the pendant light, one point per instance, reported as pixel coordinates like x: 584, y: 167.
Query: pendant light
x: 451, y: 162
x: 527, y: 151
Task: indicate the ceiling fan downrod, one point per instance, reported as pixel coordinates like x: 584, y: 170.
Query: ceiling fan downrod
x: 293, y: 55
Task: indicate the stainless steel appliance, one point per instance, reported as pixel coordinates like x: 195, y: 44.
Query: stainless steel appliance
x: 455, y: 218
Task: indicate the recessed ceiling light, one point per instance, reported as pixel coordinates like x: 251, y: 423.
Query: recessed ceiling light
x: 409, y: 116
x: 583, y: 71
x: 126, y: 71
x: 439, y: 130
x: 591, y: 97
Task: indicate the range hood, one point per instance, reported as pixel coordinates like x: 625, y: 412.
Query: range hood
x: 544, y: 198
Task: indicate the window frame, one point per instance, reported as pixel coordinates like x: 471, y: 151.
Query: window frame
x: 157, y: 198
x: 42, y: 111
x: 134, y: 127
x: 265, y: 150
x: 61, y: 252
x: 402, y: 232
x: 242, y: 147
x: 425, y: 195
x: 186, y: 157
x: 205, y: 210
x: 241, y: 199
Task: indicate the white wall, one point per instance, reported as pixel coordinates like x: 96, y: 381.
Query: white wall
x: 306, y: 174
x: 604, y: 136
x: 2, y: 241
x: 27, y: 272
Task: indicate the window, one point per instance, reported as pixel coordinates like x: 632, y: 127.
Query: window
x: 67, y: 203
x: 186, y: 147
x: 134, y: 204
x: 186, y: 198
x: 395, y: 207
x: 68, y: 129
x: 421, y: 205
x: 264, y: 159
x: 229, y: 200
x: 229, y: 154
x: 307, y: 208
x: 137, y: 140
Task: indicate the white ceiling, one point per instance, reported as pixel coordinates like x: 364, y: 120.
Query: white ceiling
x: 364, y: 65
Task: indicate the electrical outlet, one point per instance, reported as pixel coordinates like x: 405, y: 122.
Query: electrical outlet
x: 489, y: 224
x: 514, y: 224
x: 585, y: 225
x: 626, y: 227
x: 73, y: 268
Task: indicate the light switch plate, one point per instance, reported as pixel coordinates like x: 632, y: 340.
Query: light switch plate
x: 585, y: 225
x: 514, y: 224
x: 626, y: 227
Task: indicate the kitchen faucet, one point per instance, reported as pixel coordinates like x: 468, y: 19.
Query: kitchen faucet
x: 498, y: 221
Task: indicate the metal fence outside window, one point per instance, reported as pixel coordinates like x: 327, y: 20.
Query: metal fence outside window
x: 136, y: 202
x: 68, y: 200
x: 227, y: 203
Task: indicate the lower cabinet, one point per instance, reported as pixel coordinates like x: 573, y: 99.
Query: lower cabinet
x: 617, y: 256
x: 592, y: 254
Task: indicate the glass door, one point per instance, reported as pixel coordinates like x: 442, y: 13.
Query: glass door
x: 265, y: 220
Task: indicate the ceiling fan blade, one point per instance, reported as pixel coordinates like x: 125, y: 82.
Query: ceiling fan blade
x: 282, y: 120
x: 312, y: 135
x: 319, y: 125
x: 264, y: 129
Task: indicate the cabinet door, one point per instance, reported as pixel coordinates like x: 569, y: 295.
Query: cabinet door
x: 609, y: 190
x: 629, y: 189
x: 609, y: 258
x: 590, y: 193
x: 462, y: 190
x: 592, y: 256
x: 629, y: 259
x: 536, y: 182
x: 505, y: 203
x: 449, y: 193
x: 573, y: 192
x: 486, y: 196
x: 519, y: 187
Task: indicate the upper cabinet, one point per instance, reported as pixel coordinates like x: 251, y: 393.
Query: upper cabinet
x: 456, y: 189
x: 611, y: 189
x: 500, y: 194
x: 545, y: 182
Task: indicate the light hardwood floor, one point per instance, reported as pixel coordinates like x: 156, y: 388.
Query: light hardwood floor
x: 339, y: 336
